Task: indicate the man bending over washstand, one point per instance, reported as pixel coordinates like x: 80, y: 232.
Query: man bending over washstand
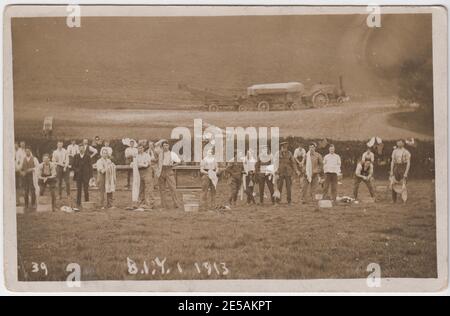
x: 400, y: 165
x: 313, y: 169
x: 364, y: 173
x: 47, y: 174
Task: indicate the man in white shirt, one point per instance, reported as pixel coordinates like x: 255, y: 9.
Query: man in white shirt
x: 130, y: 153
x: 20, y: 154
x: 106, y: 179
x: 72, y: 150
x: 91, y: 151
x: 331, y: 168
x: 166, y: 176
x: 61, y: 159
x: 108, y: 148
x: 146, y: 185
x: 299, y: 157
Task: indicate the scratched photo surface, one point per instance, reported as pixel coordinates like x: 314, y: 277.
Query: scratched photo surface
x: 333, y: 79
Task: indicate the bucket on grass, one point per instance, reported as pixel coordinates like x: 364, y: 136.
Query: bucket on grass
x: 44, y: 204
x: 325, y: 204
x: 191, y: 207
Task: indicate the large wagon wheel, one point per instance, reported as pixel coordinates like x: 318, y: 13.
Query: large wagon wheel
x: 213, y: 108
x: 340, y: 100
x: 320, y: 99
x: 263, y: 106
x: 242, y: 108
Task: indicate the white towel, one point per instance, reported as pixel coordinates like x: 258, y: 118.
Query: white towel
x: 36, y: 180
x: 136, y: 182
x: 309, y: 167
x: 371, y: 142
x: 110, y: 178
x: 212, y: 175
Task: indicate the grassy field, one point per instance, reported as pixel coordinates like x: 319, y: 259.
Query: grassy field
x: 257, y: 242
x: 362, y: 121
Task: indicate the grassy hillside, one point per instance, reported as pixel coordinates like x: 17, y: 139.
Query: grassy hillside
x: 132, y: 60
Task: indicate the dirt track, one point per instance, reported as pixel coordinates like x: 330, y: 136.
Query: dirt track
x: 350, y: 121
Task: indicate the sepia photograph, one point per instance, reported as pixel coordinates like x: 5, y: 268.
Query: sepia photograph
x: 225, y: 148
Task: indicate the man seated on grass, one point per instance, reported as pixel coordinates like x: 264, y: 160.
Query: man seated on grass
x: 364, y: 173
x: 46, y: 173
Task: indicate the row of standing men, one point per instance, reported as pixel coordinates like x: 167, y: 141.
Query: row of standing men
x: 311, y: 168
x: 155, y: 164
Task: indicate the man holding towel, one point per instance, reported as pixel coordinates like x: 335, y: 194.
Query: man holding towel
x: 265, y: 174
x: 208, y: 170
x: 313, y: 169
x: 167, y: 159
x: 106, y: 178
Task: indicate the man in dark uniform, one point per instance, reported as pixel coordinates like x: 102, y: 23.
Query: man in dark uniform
x: 82, y: 166
x: 235, y: 170
x: 285, y: 168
